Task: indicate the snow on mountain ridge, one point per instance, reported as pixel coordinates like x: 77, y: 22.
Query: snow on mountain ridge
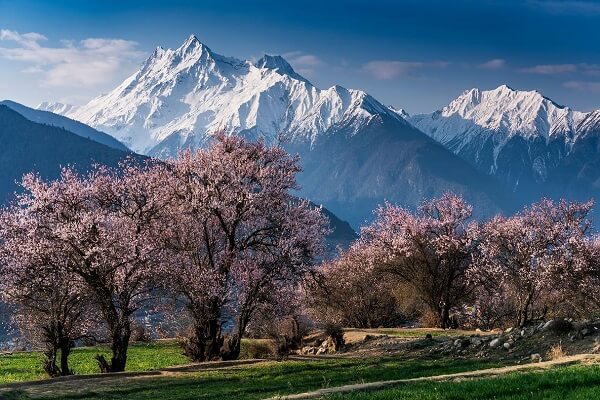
x: 499, y: 114
x: 180, y: 97
x: 56, y: 107
x: 505, y: 111
x: 517, y: 135
x: 400, y: 111
x: 590, y: 124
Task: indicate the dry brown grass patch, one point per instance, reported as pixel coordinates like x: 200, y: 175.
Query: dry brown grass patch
x: 556, y: 352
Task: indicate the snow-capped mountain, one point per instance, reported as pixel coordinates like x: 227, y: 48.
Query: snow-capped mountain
x: 400, y: 111
x: 518, y: 136
x: 590, y: 125
x: 56, y: 107
x: 180, y: 97
x: 578, y: 175
x: 355, y: 151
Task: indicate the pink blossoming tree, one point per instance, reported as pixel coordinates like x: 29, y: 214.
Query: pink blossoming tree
x: 529, y: 259
x: 430, y: 250
x: 52, y: 305
x: 99, y: 228
x: 236, y: 238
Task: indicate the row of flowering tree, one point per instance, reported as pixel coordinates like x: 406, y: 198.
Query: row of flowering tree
x: 506, y: 271
x: 217, y: 229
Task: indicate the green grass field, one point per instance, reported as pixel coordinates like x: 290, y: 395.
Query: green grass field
x: 580, y: 382
x: 259, y: 381
x: 27, y: 366
x: 250, y: 382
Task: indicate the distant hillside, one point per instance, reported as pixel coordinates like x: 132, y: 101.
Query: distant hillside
x: 27, y: 146
x: 341, y: 236
x: 76, y: 127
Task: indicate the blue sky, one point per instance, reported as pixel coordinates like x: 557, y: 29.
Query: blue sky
x: 417, y: 55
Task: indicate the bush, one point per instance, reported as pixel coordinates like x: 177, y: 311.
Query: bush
x: 257, y: 348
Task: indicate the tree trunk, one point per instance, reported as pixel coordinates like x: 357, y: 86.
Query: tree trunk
x: 65, y: 351
x: 119, y: 345
x: 445, y: 317
x: 206, y: 341
x: 50, y: 362
x: 231, y: 348
x: 523, y: 316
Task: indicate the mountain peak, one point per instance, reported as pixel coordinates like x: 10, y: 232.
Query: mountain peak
x: 56, y: 107
x: 503, y: 99
x: 280, y: 65
x: 400, y: 111
x: 275, y: 62
x: 194, y: 49
x: 191, y: 40
x: 501, y: 91
x: 504, y: 88
x: 180, y: 97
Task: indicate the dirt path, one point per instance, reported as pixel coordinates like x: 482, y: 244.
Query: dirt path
x: 462, y: 375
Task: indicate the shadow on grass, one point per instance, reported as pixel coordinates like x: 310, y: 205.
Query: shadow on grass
x: 575, y: 382
x: 257, y: 381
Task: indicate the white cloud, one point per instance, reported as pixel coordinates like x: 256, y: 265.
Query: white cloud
x: 75, y: 64
x: 385, y: 69
x: 32, y: 70
x: 304, y: 64
x: 30, y: 39
x: 495, y: 63
x: 308, y: 59
x: 555, y: 69
x: 583, y: 86
x: 551, y: 69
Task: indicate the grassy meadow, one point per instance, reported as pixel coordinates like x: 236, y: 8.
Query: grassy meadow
x: 257, y: 381
x: 277, y: 378
x: 27, y: 366
x: 580, y: 382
